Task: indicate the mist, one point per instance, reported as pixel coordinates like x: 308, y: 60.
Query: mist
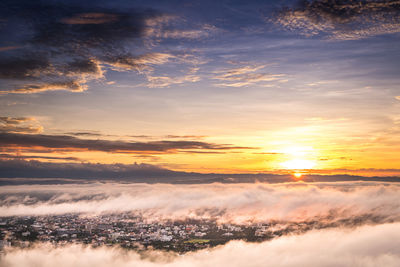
x: 236, y: 203
x: 364, y: 246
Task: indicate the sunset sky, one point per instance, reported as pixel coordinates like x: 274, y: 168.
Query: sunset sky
x: 202, y: 86
x: 181, y: 133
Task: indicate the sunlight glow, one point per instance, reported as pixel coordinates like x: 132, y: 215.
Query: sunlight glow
x: 298, y: 164
x: 297, y: 151
x: 297, y: 175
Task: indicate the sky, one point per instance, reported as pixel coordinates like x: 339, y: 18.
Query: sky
x: 201, y: 86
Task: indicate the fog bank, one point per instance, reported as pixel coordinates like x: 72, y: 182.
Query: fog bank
x: 366, y: 246
x: 223, y: 202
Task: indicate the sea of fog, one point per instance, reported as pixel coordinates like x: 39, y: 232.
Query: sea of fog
x: 356, y: 223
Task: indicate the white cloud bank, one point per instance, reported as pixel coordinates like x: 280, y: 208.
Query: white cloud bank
x: 365, y: 246
x: 224, y: 202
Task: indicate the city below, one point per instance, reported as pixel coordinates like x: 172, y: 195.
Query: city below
x: 132, y: 231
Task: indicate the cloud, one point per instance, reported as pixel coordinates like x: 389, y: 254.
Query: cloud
x: 73, y: 86
x: 201, y: 32
x: 189, y: 34
x: 202, y: 152
x: 15, y: 121
x: 245, y: 76
x: 71, y: 142
x: 172, y: 27
x: 322, y: 205
x: 20, y: 125
x: 14, y: 166
x: 365, y: 246
x: 41, y: 75
x: 9, y: 156
x: 170, y: 136
x: 189, y: 65
x: 343, y: 20
x: 63, y: 46
x: 86, y: 133
x: 145, y: 64
x: 139, y: 63
x: 28, y: 66
x: 397, y: 97
x: 185, y: 136
x: 166, y: 81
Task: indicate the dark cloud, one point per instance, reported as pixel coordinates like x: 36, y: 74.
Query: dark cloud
x: 342, y: 19
x: 62, y: 45
x: 36, y: 169
x: 83, y: 65
x: 24, y: 67
x: 72, y: 26
x: 8, y: 156
x: 71, y: 142
x: 25, y: 170
x: 5, y: 48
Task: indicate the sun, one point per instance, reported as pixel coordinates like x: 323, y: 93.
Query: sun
x: 297, y: 175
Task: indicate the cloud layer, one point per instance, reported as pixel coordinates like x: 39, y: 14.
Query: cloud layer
x: 325, y: 203
x: 67, y: 142
x: 351, y: 224
x: 366, y: 246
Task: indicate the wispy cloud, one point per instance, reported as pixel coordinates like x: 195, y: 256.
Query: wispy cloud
x: 245, y: 76
x: 173, y: 27
x: 343, y: 20
x: 72, y: 86
x: 166, y: 81
x: 189, y: 65
x: 140, y: 63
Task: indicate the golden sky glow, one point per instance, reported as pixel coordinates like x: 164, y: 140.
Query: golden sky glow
x: 171, y: 92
